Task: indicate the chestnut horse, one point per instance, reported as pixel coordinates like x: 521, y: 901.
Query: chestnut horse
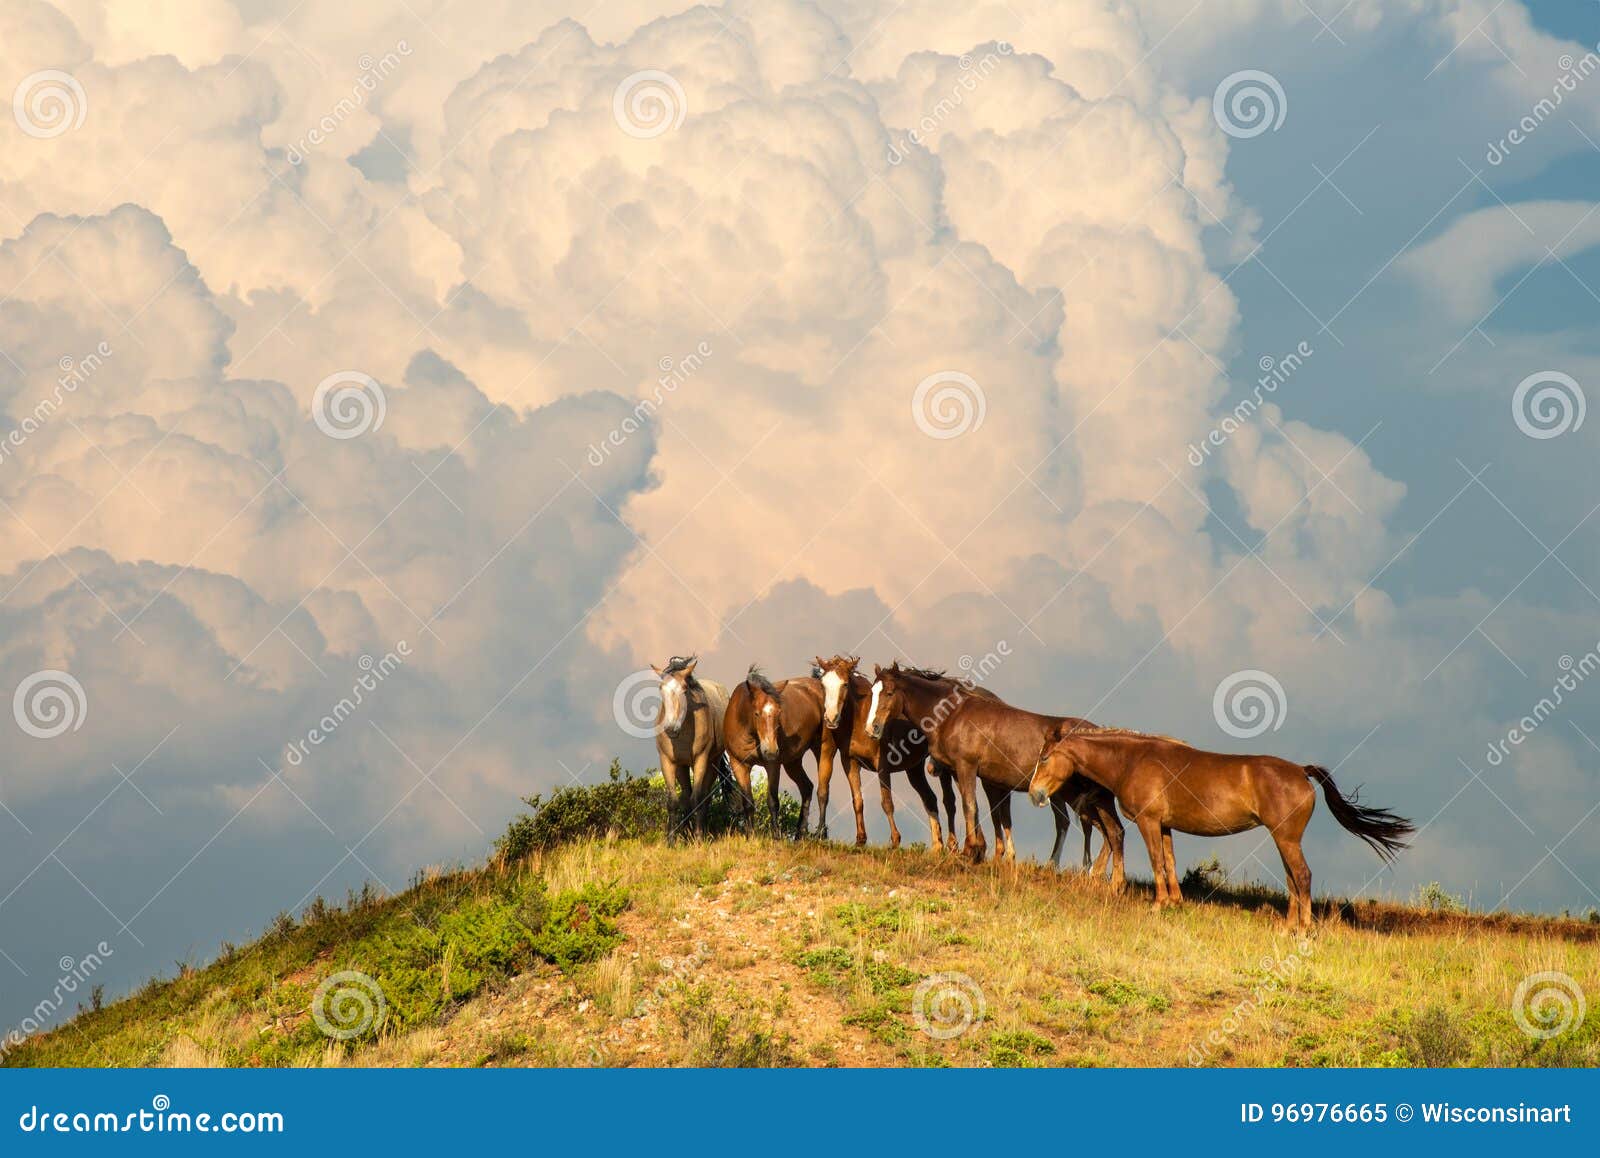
x: 981, y: 737
x: 775, y: 725
x: 1164, y: 784
x: 688, y: 740
x: 847, y: 697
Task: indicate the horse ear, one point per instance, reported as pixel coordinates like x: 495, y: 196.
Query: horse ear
x: 877, y: 672
x: 689, y: 671
x: 657, y: 670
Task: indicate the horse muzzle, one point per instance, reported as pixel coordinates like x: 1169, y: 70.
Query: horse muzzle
x: 1038, y: 796
x: 875, y: 731
x: 768, y: 751
x: 830, y: 722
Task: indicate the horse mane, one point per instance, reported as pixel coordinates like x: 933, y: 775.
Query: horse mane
x: 755, y: 677
x: 922, y: 673
x: 1098, y: 730
x: 678, y: 663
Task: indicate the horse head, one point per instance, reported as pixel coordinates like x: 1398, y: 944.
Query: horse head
x: 677, y: 678
x: 767, y: 705
x: 835, y: 675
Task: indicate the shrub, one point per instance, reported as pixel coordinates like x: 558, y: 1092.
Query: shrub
x: 1433, y: 897
x: 627, y: 806
x: 1205, y: 878
x: 577, y: 926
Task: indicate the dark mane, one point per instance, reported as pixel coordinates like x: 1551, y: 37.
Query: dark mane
x: 678, y: 663
x: 925, y: 673
x: 755, y: 678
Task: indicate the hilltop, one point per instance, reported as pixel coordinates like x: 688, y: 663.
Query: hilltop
x: 585, y: 941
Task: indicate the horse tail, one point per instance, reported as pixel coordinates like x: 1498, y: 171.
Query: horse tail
x: 1382, y: 829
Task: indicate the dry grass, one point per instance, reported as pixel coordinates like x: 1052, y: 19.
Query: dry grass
x: 752, y: 952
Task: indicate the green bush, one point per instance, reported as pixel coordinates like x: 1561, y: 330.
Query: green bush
x: 576, y: 927
x: 625, y: 806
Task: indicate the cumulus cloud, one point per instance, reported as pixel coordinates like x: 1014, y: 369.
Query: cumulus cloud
x: 890, y: 333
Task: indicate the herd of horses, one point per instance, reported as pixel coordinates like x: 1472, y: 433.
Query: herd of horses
x: 920, y: 723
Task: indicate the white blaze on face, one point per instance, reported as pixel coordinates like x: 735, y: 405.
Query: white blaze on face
x: 831, y: 683
x: 673, y: 703
x: 877, y: 690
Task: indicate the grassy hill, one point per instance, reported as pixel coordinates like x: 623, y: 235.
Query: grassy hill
x: 585, y: 942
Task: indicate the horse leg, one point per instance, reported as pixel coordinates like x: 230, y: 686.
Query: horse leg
x: 798, y: 774
x: 1174, y: 890
x: 886, y: 792
x: 852, y: 773
x: 824, y: 758
x: 1150, y: 830
x: 701, y: 791
x: 930, y: 805
x: 747, y: 800
x: 1111, y: 832
x: 1063, y: 820
x: 1000, y: 814
x: 669, y: 776
x: 947, y: 787
x: 1297, y: 875
x: 976, y: 847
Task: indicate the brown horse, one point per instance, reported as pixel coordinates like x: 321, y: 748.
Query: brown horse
x: 1163, y: 784
x: 688, y: 740
x: 981, y: 737
x: 775, y: 725
x: 847, y: 698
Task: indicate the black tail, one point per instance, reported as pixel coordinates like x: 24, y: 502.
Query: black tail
x: 1379, y: 827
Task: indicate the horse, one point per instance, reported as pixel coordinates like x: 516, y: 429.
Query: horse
x: 775, y: 725
x: 688, y: 740
x: 847, y: 696
x: 1163, y: 784
x: 979, y: 736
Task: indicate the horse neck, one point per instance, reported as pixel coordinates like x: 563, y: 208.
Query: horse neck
x: 1111, y: 763
x: 922, y: 697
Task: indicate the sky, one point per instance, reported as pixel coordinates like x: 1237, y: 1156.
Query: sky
x: 383, y: 386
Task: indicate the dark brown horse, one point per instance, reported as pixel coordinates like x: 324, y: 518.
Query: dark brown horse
x: 688, y: 741
x: 1163, y: 784
x: 847, y: 698
x: 982, y: 738
x: 775, y: 725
